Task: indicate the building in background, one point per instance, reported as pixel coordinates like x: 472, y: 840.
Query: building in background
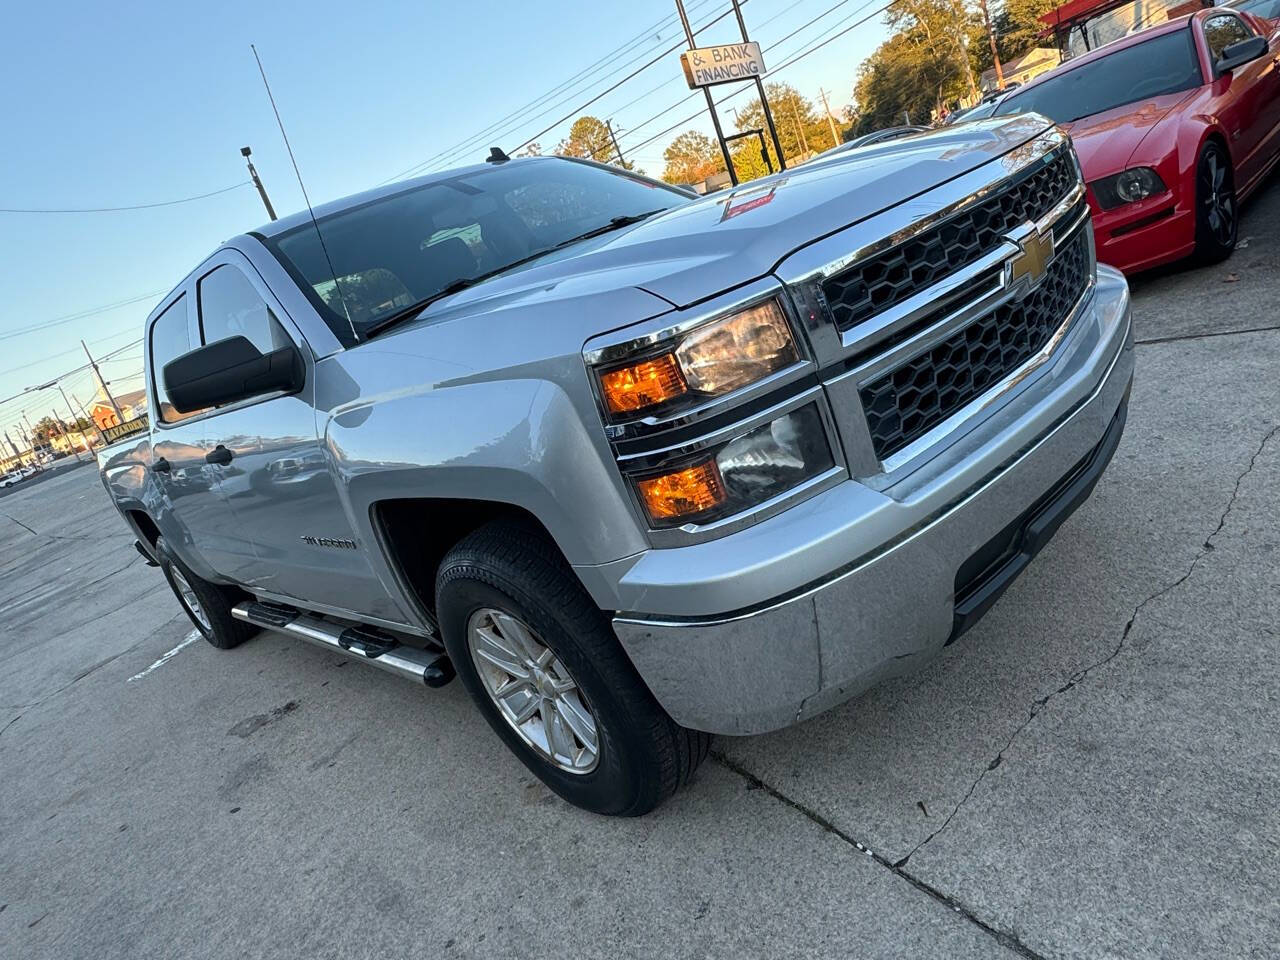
x: 1079, y: 26
x: 132, y: 405
x: 1027, y: 67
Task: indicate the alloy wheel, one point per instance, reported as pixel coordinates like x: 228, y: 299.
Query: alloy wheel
x: 533, y: 690
x: 189, y: 599
x: 1217, y: 197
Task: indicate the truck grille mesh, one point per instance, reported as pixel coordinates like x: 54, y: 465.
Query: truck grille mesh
x: 889, y: 278
x: 910, y: 400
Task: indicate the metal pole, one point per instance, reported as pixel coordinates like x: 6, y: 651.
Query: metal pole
x: 614, y: 137
x: 58, y: 420
x: 72, y: 411
x: 102, y: 383
x: 257, y: 182
x: 991, y: 35
x: 764, y: 101
x: 835, y: 137
x: 711, y: 104
x: 102, y: 434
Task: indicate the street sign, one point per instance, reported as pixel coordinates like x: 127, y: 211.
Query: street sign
x: 708, y: 66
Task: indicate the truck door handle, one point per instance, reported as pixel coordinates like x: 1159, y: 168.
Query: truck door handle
x: 219, y: 455
x: 161, y: 466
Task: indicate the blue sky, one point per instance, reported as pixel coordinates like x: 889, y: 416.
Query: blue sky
x: 129, y: 103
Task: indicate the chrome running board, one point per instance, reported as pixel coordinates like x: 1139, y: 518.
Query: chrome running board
x: 431, y: 667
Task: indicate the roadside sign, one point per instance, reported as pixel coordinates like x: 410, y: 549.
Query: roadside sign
x: 708, y: 66
x: 121, y: 430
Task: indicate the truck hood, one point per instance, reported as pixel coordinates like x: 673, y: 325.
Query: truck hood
x: 1106, y: 141
x: 701, y: 248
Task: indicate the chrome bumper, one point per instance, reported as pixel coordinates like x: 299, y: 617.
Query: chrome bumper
x: 863, y: 581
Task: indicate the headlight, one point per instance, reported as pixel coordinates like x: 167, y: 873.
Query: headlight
x: 741, y: 473
x: 713, y: 359
x: 1129, y: 186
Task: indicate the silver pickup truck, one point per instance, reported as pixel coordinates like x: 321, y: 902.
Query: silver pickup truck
x: 640, y: 467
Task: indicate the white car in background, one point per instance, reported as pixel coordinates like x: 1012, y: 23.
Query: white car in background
x: 10, y: 479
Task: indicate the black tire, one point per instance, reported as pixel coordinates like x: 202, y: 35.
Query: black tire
x: 643, y: 755
x: 1217, y: 208
x: 215, y: 602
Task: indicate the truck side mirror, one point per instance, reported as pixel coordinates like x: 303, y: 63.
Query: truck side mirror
x: 1240, y: 53
x: 230, y: 370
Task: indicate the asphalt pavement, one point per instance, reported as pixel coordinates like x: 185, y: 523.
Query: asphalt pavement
x: 1091, y: 772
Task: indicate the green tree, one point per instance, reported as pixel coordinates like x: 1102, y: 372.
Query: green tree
x: 589, y: 138
x: 47, y: 427
x: 691, y: 158
x: 802, y: 128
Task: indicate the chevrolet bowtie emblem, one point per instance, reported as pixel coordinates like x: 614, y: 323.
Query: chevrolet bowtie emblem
x: 1033, y: 259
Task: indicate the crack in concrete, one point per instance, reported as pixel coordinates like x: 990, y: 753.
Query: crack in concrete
x: 1079, y: 676
x: 53, y: 536
x: 1006, y: 939
x: 1204, y: 336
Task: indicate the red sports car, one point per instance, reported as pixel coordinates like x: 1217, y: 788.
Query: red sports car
x: 1174, y: 126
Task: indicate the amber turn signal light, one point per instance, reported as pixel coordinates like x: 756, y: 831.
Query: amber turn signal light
x: 642, y: 385
x: 684, y: 493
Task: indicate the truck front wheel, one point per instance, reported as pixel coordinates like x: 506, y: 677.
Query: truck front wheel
x: 207, y: 604
x: 542, y: 663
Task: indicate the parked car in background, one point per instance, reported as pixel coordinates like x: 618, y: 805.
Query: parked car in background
x: 640, y: 467
x: 10, y: 479
x: 1174, y: 126
x: 980, y: 111
x: 1267, y: 9
x: 867, y: 139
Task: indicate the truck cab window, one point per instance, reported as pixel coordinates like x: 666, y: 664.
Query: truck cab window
x: 170, y: 338
x: 231, y: 307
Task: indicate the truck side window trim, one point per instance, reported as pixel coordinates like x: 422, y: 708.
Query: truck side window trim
x: 158, y: 396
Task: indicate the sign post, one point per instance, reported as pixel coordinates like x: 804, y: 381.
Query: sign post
x: 764, y: 101
x: 711, y: 104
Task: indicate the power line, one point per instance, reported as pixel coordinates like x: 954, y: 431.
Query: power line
x: 81, y: 315
x: 778, y: 69
x: 448, y: 156
x: 136, y: 206
x: 607, y: 60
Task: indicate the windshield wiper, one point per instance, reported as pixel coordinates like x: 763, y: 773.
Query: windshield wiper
x: 415, y: 308
x: 617, y: 223
x: 462, y: 283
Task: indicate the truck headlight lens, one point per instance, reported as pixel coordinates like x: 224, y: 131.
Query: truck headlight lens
x: 740, y: 349
x: 740, y: 473
x: 1128, y: 186
x: 713, y: 359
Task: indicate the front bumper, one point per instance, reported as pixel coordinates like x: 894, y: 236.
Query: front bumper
x: 768, y: 626
x: 1139, y: 236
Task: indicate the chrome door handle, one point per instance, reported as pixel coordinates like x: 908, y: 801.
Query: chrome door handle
x: 219, y: 455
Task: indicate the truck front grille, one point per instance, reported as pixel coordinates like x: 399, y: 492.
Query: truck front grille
x: 891, y: 277
x: 916, y: 396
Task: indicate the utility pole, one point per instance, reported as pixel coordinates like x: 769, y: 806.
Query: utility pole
x: 804, y: 141
x: 614, y: 137
x: 102, y: 383
x: 991, y: 35
x: 58, y: 420
x: 102, y: 434
x: 764, y: 101
x: 711, y: 104
x: 257, y: 182
x: 12, y: 446
x: 835, y: 137
x: 71, y: 410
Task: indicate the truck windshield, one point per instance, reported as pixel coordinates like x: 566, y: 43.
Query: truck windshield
x: 397, y: 251
x: 1164, y: 64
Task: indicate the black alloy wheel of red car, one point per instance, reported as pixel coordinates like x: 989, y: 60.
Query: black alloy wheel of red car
x: 1217, y: 210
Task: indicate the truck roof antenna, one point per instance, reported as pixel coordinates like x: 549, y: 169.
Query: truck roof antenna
x: 298, y: 173
x: 496, y: 156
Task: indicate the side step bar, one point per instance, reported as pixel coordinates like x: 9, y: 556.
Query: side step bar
x: 425, y: 666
